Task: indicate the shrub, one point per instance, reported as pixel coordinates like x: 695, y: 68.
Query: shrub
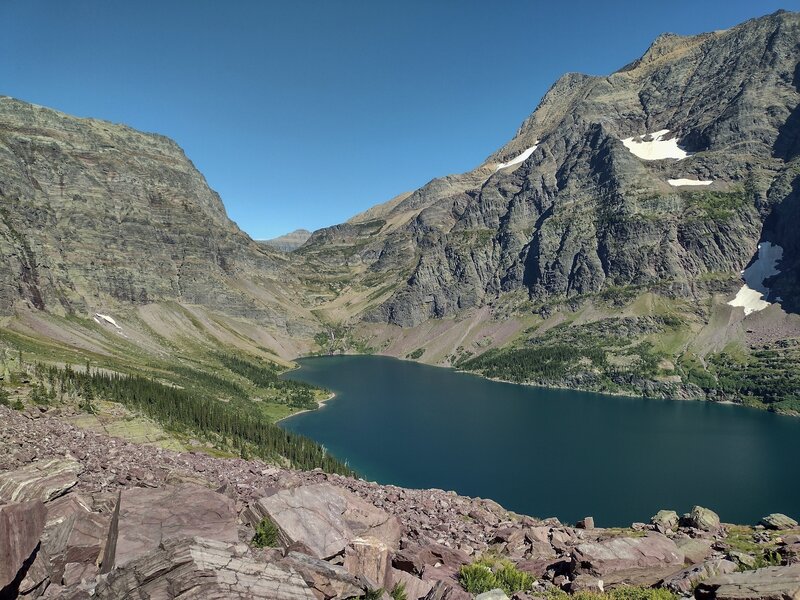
x: 477, y: 578
x: 266, y: 534
x: 511, y: 579
x: 489, y: 573
x: 399, y: 592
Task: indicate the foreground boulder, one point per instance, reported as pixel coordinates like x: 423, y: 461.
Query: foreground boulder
x: 770, y: 583
x: 701, y: 518
x: 695, y: 550
x: 665, y: 519
x: 21, y: 526
x: 778, y: 521
x: 630, y: 561
x: 419, y: 559
x: 148, y: 517
x: 42, y: 480
x: 445, y: 591
x: 70, y: 546
x: 326, y: 580
x: 683, y: 582
x: 323, y: 519
x: 200, y: 569
x: 369, y: 558
x: 415, y: 587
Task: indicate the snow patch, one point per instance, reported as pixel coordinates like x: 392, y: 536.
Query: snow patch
x: 679, y: 182
x: 519, y: 158
x: 752, y: 295
x: 100, y: 318
x: 653, y: 146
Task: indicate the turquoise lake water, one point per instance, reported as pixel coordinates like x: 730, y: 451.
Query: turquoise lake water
x: 549, y: 452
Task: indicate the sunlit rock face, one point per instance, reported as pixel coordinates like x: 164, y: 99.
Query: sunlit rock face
x: 654, y: 176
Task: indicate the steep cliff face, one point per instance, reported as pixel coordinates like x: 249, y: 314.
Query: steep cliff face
x: 94, y: 215
x: 661, y: 175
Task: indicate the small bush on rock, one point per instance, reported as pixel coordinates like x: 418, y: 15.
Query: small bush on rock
x: 490, y: 573
x: 266, y: 534
x: 399, y: 592
x: 477, y: 578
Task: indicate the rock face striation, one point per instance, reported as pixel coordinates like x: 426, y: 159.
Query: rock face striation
x: 98, y: 215
x: 591, y: 207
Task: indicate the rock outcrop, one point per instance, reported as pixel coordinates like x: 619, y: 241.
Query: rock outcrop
x: 769, y: 583
x: 42, y: 481
x: 634, y: 561
x: 98, y: 215
x: 149, y: 517
x: 324, y: 519
x: 582, y: 212
x: 684, y: 582
x: 289, y: 241
x: 21, y: 526
x: 198, y: 568
x: 778, y: 521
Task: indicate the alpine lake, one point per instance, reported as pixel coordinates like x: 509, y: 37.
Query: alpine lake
x: 548, y: 452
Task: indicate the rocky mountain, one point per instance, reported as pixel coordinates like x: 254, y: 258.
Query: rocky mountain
x: 654, y: 185
x: 582, y: 212
x: 98, y: 218
x: 607, y: 239
x: 289, y: 241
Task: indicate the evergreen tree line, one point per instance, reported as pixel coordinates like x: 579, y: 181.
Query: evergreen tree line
x: 185, y: 411
x: 526, y: 364
x: 297, y: 394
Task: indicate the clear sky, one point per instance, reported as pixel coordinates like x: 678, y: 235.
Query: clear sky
x: 301, y: 114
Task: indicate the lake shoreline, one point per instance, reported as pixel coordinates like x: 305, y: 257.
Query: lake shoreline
x: 475, y: 436
x: 553, y: 386
x: 320, y: 404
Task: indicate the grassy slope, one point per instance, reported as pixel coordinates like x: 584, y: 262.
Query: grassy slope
x: 179, y: 349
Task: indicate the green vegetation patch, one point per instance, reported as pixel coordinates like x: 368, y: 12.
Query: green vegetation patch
x: 767, y: 378
x: 240, y: 426
x: 266, y: 535
x: 620, y: 593
x: 712, y: 205
x: 608, y: 355
x: 489, y: 573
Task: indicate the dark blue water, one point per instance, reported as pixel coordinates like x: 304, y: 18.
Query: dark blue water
x: 551, y: 452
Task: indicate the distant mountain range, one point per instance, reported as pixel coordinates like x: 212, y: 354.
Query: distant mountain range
x: 601, y: 248
x: 290, y: 241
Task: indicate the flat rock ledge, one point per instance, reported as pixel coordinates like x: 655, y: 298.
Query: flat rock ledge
x: 87, y: 516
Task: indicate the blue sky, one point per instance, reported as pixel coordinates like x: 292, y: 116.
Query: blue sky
x: 301, y: 114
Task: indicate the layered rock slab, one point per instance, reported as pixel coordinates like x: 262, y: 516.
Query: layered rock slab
x: 626, y: 560
x: 148, y: 517
x: 324, y: 519
x: 21, y: 526
x: 770, y: 583
x: 41, y: 480
x: 204, y: 569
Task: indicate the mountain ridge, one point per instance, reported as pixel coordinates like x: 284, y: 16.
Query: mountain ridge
x: 592, y: 216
